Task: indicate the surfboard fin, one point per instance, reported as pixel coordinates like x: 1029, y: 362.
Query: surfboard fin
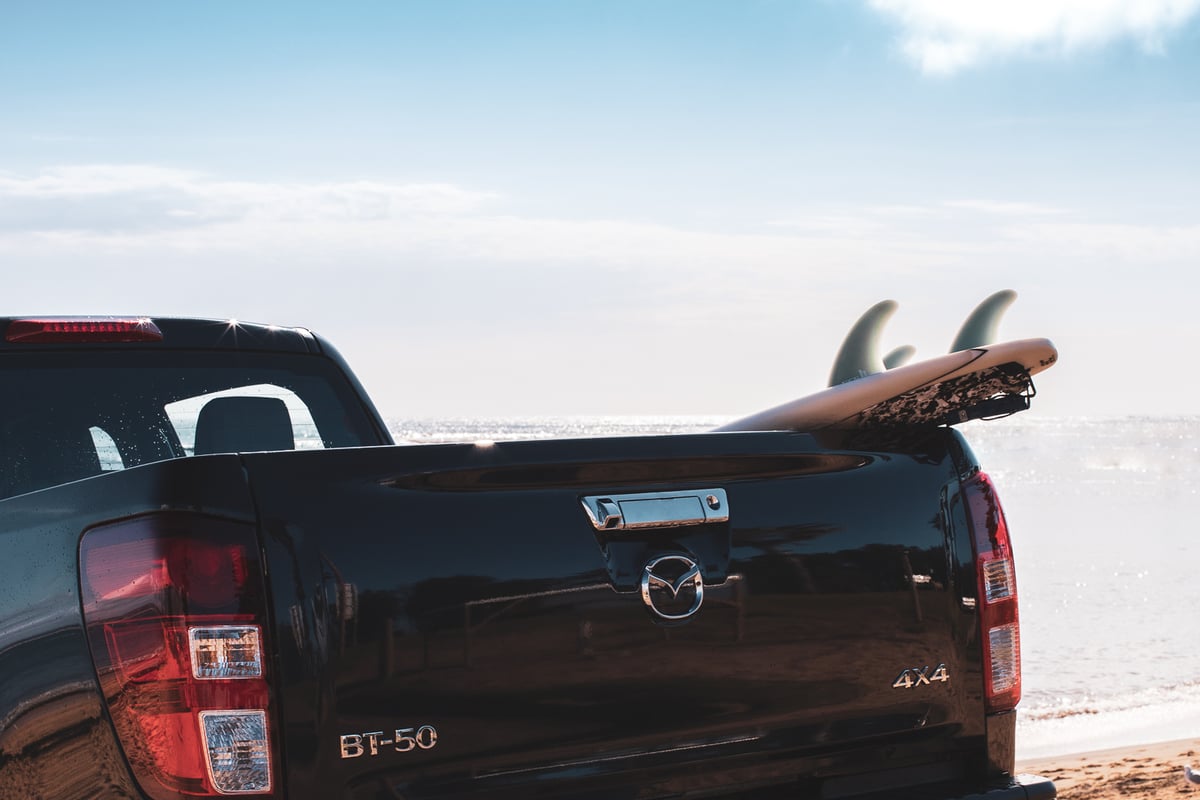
x: 859, y: 354
x: 981, y: 326
x: 900, y: 356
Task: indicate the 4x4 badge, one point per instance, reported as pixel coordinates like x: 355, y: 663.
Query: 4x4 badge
x: 672, y: 587
x: 922, y: 676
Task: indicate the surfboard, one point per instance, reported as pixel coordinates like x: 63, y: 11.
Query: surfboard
x: 992, y: 380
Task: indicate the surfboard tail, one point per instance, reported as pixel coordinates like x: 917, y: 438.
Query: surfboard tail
x: 977, y: 379
x: 980, y: 382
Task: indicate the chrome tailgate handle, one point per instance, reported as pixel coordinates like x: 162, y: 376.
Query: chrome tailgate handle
x: 624, y: 512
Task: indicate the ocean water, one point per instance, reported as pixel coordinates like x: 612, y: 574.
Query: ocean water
x: 1103, y: 515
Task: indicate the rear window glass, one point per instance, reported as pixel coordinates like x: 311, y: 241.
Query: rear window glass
x: 67, y: 416
x: 106, y: 450
x: 184, y: 415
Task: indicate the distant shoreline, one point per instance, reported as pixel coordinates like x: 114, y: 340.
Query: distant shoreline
x: 1172, y: 719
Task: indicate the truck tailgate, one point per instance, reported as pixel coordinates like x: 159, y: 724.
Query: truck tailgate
x: 618, y: 617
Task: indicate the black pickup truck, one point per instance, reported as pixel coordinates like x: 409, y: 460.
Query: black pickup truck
x: 219, y: 576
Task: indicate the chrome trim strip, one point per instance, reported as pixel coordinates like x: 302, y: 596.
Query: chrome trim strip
x: 551, y: 593
x: 583, y: 762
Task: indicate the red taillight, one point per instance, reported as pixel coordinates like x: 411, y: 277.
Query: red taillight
x: 175, y: 612
x: 68, y: 330
x: 997, y: 599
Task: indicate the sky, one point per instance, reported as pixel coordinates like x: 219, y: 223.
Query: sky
x: 612, y: 207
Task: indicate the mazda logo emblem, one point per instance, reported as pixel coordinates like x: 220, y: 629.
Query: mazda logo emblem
x: 672, y: 587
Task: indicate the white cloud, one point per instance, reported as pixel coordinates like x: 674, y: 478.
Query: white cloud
x: 113, y: 200
x: 379, y: 264
x: 1168, y: 250
x: 95, y: 179
x: 1006, y: 209
x: 944, y: 36
x: 92, y: 209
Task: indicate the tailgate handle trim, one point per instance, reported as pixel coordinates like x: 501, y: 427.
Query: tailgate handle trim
x: 648, y: 510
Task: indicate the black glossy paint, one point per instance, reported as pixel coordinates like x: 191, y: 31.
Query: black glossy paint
x: 484, y: 606
x: 462, y: 587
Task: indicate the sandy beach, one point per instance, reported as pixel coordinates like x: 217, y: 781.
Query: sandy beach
x: 1146, y: 771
